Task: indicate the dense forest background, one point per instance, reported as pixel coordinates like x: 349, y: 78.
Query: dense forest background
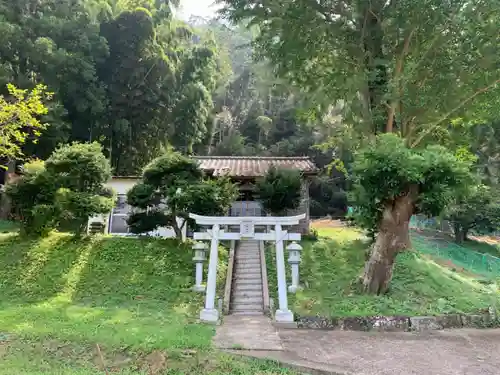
x: 128, y: 74
x: 131, y: 76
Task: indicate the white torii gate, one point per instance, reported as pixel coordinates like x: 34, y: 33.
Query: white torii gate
x: 247, y: 231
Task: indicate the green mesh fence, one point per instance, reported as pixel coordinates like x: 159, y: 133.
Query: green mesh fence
x: 484, y: 265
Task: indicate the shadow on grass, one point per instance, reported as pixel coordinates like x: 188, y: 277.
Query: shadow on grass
x: 34, y: 270
x: 142, y: 271
x: 115, y: 291
x: 145, y: 329
x: 330, y: 271
x: 125, y: 270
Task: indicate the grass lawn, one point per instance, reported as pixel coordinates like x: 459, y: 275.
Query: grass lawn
x: 60, y: 297
x: 420, y: 286
x: 8, y: 226
x: 483, y: 247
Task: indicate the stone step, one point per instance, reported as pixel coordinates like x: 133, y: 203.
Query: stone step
x: 238, y: 283
x: 245, y: 266
x: 253, y: 300
x: 248, y: 260
x: 249, y: 254
x: 241, y: 294
x: 245, y: 270
x: 257, y: 301
x: 246, y: 307
x: 254, y: 261
x: 247, y: 292
x: 255, y: 276
x: 243, y: 313
x: 247, y: 287
x: 243, y: 286
x: 247, y: 304
x: 250, y: 275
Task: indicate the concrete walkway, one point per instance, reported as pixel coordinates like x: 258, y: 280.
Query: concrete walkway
x: 252, y: 332
x: 447, y: 352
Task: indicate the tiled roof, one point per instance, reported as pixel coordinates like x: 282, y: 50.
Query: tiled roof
x: 252, y: 166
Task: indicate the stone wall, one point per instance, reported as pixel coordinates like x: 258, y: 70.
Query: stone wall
x: 400, y: 323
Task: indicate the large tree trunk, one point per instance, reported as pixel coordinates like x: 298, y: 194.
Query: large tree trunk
x: 178, y: 231
x: 5, y: 203
x: 460, y: 233
x: 393, y: 236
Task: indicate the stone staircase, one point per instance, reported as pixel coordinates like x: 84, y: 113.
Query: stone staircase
x: 246, y: 295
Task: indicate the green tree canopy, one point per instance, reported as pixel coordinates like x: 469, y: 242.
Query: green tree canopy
x: 476, y: 208
x: 20, y: 119
x: 64, y: 191
x: 391, y: 182
x: 419, y: 69
x: 172, y: 187
x: 123, y: 73
x: 405, y: 66
x: 280, y: 190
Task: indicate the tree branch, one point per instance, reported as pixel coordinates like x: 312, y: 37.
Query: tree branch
x: 438, y: 36
x: 397, y: 75
x: 10, y: 120
x: 448, y: 114
x: 339, y: 9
